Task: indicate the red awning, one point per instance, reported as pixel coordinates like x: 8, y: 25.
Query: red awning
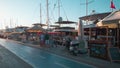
x: 52, y: 33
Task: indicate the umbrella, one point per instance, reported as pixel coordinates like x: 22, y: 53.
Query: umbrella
x: 80, y: 29
x: 82, y: 42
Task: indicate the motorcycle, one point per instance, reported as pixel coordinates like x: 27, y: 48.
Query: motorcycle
x: 73, y: 49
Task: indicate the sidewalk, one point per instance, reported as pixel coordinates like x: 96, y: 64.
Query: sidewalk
x: 10, y: 60
x: 61, y: 51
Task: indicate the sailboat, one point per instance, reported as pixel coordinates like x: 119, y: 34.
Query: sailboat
x: 64, y: 25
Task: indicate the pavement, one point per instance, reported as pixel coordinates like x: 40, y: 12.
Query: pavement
x: 15, y: 62
x: 85, y: 58
x: 10, y: 60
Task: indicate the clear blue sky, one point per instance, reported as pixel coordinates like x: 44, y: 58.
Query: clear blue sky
x: 27, y: 12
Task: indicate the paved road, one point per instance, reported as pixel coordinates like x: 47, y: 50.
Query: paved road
x: 41, y: 59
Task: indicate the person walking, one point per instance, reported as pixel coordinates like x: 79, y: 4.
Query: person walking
x: 47, y: 39
x: 42, y: 39
x: 67, y: 41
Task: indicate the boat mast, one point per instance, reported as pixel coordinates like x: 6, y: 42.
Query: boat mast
x: 59, y: 8
x: 40, y: 15
x: 59, y: 17
x: 86, y: 7
x: 47, y: 22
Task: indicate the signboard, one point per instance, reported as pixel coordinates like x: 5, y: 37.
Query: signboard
x: 98, y: 50
x: 114, y: 54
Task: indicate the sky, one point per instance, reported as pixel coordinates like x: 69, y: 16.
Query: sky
x: 27, y: 12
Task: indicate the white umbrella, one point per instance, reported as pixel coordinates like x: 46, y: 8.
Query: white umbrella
x: 80, y: 29
x: 83, y: 46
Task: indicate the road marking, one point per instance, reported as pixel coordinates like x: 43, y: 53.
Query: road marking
x: 62, y: 65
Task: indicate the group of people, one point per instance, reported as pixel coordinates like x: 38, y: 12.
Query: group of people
x: 44, y: 39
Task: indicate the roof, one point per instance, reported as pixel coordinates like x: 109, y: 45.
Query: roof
x: 95, y: 28
x: 22, y: 27
x: 113, y: 17
x: 35, y: 29
x: 40, y: 24
x: 95, y: 16
x: 65, y: 28
x: 65, y: 22
x: 54, y: 26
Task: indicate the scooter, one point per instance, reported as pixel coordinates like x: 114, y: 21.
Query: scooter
x: 73, y: 49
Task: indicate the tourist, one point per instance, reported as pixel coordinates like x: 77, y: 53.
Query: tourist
x: 46, y: 39
x: 42, y: 39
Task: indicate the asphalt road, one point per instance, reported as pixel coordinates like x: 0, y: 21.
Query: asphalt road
x: 40, y: 58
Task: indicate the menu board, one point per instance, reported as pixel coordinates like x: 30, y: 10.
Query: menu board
x: 114, y: 54
x: 98, y: 50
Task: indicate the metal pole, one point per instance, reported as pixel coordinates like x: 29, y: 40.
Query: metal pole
x: 59, y: 10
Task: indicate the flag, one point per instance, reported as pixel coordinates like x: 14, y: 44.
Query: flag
x: 112, y: 5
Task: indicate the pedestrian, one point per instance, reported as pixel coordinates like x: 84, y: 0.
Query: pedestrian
x: 68, y: 39
x: 46, y: 39
x: 42, y: 39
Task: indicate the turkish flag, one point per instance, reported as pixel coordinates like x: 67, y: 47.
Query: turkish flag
x: 112, y: 5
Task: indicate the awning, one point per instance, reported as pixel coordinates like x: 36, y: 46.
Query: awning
x: 52, y: 33
x: 34, y: 31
